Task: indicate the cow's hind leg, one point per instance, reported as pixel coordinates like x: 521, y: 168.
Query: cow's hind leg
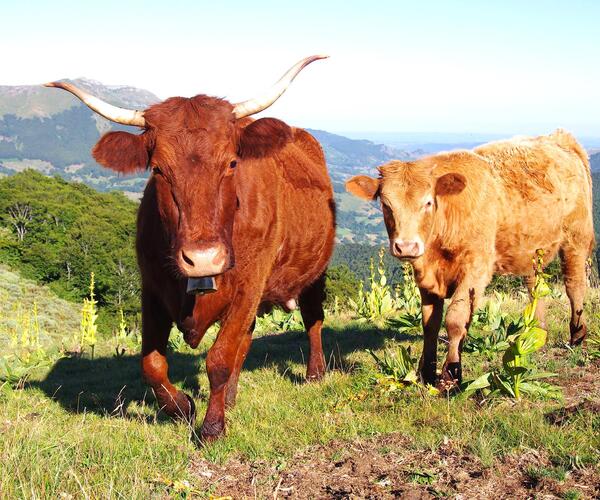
x: 156, y: 325
x: 573, y: 264
x: 311, y: 307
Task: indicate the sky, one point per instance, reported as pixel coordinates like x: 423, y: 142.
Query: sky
x: 396, y: 66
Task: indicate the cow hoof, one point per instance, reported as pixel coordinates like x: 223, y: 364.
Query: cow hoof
x: 211, y: 431
x: 428, y: 378
x: 578, y: 335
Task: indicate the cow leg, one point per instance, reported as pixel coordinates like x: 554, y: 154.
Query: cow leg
x: 221, y: 362
x: 432, y: 308
x: 240, y: 357
x: 573, y: 264
x: 540, y: 312
x: 458, y: 319
x: 156, y: 325
x: 311, y: 308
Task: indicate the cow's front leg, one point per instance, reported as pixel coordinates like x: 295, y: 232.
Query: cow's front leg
x: 156, y: 325
x: 432, y: 310
x: 458, y: 318
x: 240, y: 357
x: 221, y: 363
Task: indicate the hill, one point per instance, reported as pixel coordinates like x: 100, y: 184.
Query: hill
x: 57, y: 318
x: 52, y: 132
x: 595, y: 162
x: 56, y: 233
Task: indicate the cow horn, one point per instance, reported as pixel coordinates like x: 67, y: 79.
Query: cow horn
x: 113, y: 113
x: 261, y: 103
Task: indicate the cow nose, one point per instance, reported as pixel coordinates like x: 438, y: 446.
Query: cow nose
x: 407, y: 248
x: 200, y: 261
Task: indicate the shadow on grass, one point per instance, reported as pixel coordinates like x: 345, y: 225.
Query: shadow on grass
x: 106, y: 385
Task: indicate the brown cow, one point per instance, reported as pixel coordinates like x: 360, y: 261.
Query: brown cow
x: 462, y: 216
x: 247, y: 202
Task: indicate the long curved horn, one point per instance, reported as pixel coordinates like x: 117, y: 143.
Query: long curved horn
x: 113, y: 113
x: 261, y: 103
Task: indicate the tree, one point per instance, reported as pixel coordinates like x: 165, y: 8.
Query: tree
x: 20, y: 217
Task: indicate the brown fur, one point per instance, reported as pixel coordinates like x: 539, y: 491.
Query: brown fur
x: 517, y: 196
x: 261, y: 189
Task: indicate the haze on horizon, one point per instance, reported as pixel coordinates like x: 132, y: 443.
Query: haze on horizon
x: 431, y: 66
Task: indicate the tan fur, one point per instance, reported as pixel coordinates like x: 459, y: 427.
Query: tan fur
x: 521, y: 195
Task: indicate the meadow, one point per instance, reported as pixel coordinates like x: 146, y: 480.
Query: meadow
x: 85, y: 426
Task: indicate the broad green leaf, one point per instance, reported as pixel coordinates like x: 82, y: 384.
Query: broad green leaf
x: 479, y: 383
x: 531, y: 340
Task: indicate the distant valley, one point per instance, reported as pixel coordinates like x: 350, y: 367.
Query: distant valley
x: 52, y: 132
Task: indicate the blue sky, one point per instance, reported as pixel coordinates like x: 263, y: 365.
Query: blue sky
x: 427, y: 66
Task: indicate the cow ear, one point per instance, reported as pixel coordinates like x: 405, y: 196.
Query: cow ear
x: 263, y: 137
x: 450, y: 184
x: 122, y: 152
x: 363, y: 186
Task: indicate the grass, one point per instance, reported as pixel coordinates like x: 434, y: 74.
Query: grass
x: 88, y: 428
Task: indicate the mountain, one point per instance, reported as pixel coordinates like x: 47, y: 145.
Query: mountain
x: 595, y: 162
x: 53, y: 132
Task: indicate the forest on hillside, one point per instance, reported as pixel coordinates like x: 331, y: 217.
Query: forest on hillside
x: 57, y: 232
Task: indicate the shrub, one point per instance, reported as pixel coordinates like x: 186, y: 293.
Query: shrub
x: 518, y: 375
x: 377, y: 303
x: 26, y: 354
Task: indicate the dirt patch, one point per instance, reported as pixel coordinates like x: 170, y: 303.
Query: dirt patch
x: 389, y: 466
x: 581, y: 383
x: 386, y: 467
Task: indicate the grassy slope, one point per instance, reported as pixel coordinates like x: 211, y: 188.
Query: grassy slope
x: 57, y: 318
x: 88, y: 427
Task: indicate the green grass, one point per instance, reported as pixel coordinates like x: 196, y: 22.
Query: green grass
x: 89, y: 427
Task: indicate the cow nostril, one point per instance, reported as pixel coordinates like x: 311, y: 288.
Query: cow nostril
x: 186, y: 259
x: 398, y: 248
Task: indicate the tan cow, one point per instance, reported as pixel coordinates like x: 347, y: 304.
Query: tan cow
x: 462, y: 216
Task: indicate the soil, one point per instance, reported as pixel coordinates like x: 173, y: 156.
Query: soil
x: 386, y: 466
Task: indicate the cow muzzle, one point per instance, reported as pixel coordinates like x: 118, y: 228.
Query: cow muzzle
x: 407, y: 249
x: 202, y: 261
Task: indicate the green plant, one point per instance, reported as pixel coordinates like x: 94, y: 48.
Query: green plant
x: 277, y: 320
x: 26, y: 353
x: 593, y: 343
x: 490, y: 317
x: 407, y: 296
x: 407, y: 300
x: 397, y: 371
x: 518, y: 374
x: 89, y: 315
x: 490, y: 329
x: 126, y: 341
x: 377, y: 303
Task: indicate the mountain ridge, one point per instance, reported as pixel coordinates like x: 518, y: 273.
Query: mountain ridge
x: 52, y: 132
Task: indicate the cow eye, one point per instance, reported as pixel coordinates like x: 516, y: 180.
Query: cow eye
x: 233, y: 164
x: 156, y: 170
